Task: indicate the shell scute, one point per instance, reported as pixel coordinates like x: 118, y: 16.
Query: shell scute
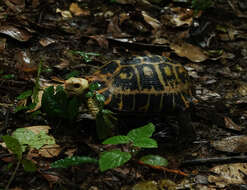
x: 145, y: 84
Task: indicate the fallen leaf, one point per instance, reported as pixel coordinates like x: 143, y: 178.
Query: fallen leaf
x: 151, y: 21
x: 16, y: 33
x: 77, y: 11
x: 236, y: 144
x: 189, y: 51
x: 228, y: 174
x: 46, y: 41
x: 50, y: 151
x: 65, y: 14
x: 231, y: 125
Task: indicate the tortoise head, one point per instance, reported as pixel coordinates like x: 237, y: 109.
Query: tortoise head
x: 76, y: 86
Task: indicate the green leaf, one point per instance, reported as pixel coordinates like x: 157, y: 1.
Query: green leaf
x: 25, y: 94
x: 20, y: 108
x: 73, y: 161
x: 40, y: 140
x: 94, y: 86
x: 145, y: 131
x: 117, y: 140
x: 89, y: 94
x: 145, y: 142
x: 113, y: 159
x: 27, y: 137
x: 100, y: 98
x: 14, y: 145
x: 58, y: 104
x: 24, y: 136
x: 154, y: 160
x: 8, y: 76
x: 28, y: 165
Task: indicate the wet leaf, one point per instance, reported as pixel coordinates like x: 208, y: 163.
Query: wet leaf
x: 16, y: 33
x: 144, y: 142
x: 236, y: 144
x: 113, y: 159
x: 145, y: 131
x: 154, y: 160
x: 117, y: 140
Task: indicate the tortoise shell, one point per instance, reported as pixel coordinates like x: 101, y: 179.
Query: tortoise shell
x: 144, y: 84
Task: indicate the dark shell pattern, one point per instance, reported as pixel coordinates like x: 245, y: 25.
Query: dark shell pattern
x: 144, y: 84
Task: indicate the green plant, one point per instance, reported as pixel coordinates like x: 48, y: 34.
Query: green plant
x: 29, y: 93
x: 105, y: 119
x: 56, y: 103
x: 86, y: 56
x: 18, y: 143
x: 136, y: 138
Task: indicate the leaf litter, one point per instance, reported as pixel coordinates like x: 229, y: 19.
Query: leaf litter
x: 211, y: 46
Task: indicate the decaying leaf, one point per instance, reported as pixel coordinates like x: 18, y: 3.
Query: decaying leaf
x: 151, y: 21
x: 50, y: 151
x: 228, y: 174
x: 25, y: 63
x: 189, y: 51
x: 236, y: 144
x: 16, y: 33
x: 77, y: 11
x: 231, y: 125
x: 65, y: 14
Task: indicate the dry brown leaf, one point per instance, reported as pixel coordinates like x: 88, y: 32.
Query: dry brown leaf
x: 46, y: 41
x: 236, y: 144
x: 151, y: 21
x: 231, y: 125
x: 16, y: 33
x: 25, y: 63
x: 65, y: 14
x: 228, y: 174
x: 50, y: 151
x: 77, y: 11
x: 70, y: 152
x: 102, y: 41
x: 181, y: 16
x: 189, y: 51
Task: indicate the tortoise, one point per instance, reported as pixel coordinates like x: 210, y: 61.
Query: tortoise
x: 141, y: 84
x: 149, y: 84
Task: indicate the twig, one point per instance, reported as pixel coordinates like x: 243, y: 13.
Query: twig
x: 231, y: 159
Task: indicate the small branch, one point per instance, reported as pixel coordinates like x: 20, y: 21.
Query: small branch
x: 231, y: 159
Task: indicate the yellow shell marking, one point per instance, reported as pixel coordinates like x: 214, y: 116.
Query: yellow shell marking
x: 168, y: 71
x: 147, y: 71
x: 125, y: 76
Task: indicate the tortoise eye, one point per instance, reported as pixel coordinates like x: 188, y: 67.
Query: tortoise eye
x: 77, y: 85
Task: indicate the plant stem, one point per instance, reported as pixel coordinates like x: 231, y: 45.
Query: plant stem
x: 13, y: 174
